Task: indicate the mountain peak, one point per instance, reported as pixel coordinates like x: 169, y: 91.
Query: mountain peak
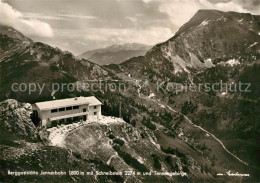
x: 246, y: 19
x: 209, y: 11
x: 199, y: 17
x: 12, y: 33
x: 209, y: 37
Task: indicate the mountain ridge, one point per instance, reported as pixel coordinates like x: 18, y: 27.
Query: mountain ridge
x: 221, y: 49
x: 23, y: 58
x: 201, y: 44
x: 115, y: 53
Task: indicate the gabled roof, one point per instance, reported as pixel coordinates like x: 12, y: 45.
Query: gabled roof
x: 53, y: 104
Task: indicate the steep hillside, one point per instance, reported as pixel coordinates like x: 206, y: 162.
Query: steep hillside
x: 125, y: 147
x: 176, y: 145
x: 115, y: 54
x: 25, y: 61
x: 208, y: 38
x: 213, y: 46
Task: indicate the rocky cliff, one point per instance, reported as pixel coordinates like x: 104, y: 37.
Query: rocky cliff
x: 15, y: 120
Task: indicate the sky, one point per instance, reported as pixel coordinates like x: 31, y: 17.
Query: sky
x: 81, y: 25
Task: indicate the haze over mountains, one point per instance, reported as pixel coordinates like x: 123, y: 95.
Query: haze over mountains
x: 115, y: 54
x: 212, y: 46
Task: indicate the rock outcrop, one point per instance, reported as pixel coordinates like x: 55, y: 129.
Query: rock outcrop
x: 15, y: 120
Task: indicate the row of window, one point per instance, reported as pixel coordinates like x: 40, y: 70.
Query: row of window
x: 68, y: 109
x: 68, y: 120
x: 64, y: 109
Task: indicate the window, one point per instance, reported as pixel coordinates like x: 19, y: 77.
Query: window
x: 68, y: 108
x: 54, y: 123
x: 69, y: 120
x: 62, y: 121
x: 85, y: 118
x: 95, y: 107
x: 75, y: 119
x: 75, y: 107
x: 84, y: 110
x: 95, y: 113
x: 54, y: 110
x: 62, y: 109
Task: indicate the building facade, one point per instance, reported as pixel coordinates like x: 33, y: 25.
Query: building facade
x: 66, y: 111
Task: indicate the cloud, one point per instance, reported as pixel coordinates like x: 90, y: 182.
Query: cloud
x: 180, y: 11
x: 132, y: 19
x: 78, y: 41
x: 101, y: 23
x: 29, y: 15
x: 76, y: 16
x: 108, y: 36
x: 146, y: 1
x: 30, y: 27
x: 61, y: 16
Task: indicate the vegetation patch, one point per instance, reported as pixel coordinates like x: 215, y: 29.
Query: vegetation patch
x: 172, y: 164
x: 130, y: 160
x: 147, y: 122
x: 119, y: 142
x: 156, y: 162
x: 111, y: 136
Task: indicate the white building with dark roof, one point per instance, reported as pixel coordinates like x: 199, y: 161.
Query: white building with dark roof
x: 66, y: 111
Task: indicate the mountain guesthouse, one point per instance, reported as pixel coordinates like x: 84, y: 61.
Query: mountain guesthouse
x: 66, y: 111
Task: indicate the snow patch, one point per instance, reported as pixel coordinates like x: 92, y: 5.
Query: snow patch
x: 31, y: 52
x: 205, y: 22
x: 110, y: 159
x: 140, y: 159
x: 209, y: 63
x: 161, y: 105
x: 222, y: 18
x: 233, y: 62
x: 223, y: 93
x: 151, y: 95
x: 255, y: 43
x: 180, y: 134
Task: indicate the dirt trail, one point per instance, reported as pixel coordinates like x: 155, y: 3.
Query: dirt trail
x: 221, y: 143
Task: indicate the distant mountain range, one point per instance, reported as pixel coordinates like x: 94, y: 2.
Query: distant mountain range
x: 115, y: 54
